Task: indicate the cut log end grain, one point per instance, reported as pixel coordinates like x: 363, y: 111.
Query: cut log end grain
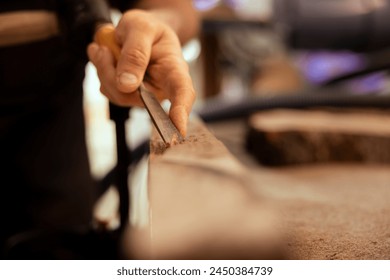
x: 282, y: 137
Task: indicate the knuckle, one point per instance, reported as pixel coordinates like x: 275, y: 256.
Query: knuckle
x: 120, y: 99
x: 140, y: 18
x: 136, y: 58
x: 178, y: 78
x: 186, y: 88
x: 103, y: 90
x: 176, y: 62
x: 102, y: 74
x: 123, y: 99
x: 192, y: 94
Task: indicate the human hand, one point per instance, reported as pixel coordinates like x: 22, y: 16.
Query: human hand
x: 149, y: 51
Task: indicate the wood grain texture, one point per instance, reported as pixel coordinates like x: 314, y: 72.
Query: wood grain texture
x: 282, y: 137
x: 202, y: 206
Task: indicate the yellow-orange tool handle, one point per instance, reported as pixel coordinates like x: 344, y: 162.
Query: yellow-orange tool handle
x: 105, y: 36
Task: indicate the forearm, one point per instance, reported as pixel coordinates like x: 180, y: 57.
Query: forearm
x: 180, y: 15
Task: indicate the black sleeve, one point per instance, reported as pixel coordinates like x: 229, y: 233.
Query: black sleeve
x: 123, y: 5
x: 78, y: 19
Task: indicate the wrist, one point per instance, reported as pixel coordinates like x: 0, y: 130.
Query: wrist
x: 185, y: 27
x: 169, y: 17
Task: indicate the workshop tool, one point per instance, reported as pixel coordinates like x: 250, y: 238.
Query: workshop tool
x: 105, y: 35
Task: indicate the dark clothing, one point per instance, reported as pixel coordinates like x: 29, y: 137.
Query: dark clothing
x: 13, y: 5
x: 45, y: 179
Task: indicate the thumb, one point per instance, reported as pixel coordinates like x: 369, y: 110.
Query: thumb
x: 133, y: 61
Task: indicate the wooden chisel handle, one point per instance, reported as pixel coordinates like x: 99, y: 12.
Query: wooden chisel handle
x: 105, y: 36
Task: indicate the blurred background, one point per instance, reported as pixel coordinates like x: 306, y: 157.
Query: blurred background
x: 253, y: 49
x: 331, y: 181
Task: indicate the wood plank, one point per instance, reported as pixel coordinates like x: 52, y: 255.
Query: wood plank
x: 202, y: 206
x: 280, y: 137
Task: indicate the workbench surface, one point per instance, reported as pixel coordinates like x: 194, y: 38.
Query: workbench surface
x: 327, y: 211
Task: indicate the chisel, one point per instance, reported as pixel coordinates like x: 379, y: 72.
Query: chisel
x: 105, y: 36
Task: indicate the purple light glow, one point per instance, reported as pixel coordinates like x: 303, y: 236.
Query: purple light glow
x: 319, y: 67
x: 203, y: 5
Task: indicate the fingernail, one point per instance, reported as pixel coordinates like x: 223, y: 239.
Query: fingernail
x: 127, y: 79
x: 179, y: 116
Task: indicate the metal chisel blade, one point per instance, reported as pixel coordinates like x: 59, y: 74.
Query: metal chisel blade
x: 161, y: 120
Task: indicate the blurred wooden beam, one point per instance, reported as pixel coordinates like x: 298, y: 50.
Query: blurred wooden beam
x: 202, y: 206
